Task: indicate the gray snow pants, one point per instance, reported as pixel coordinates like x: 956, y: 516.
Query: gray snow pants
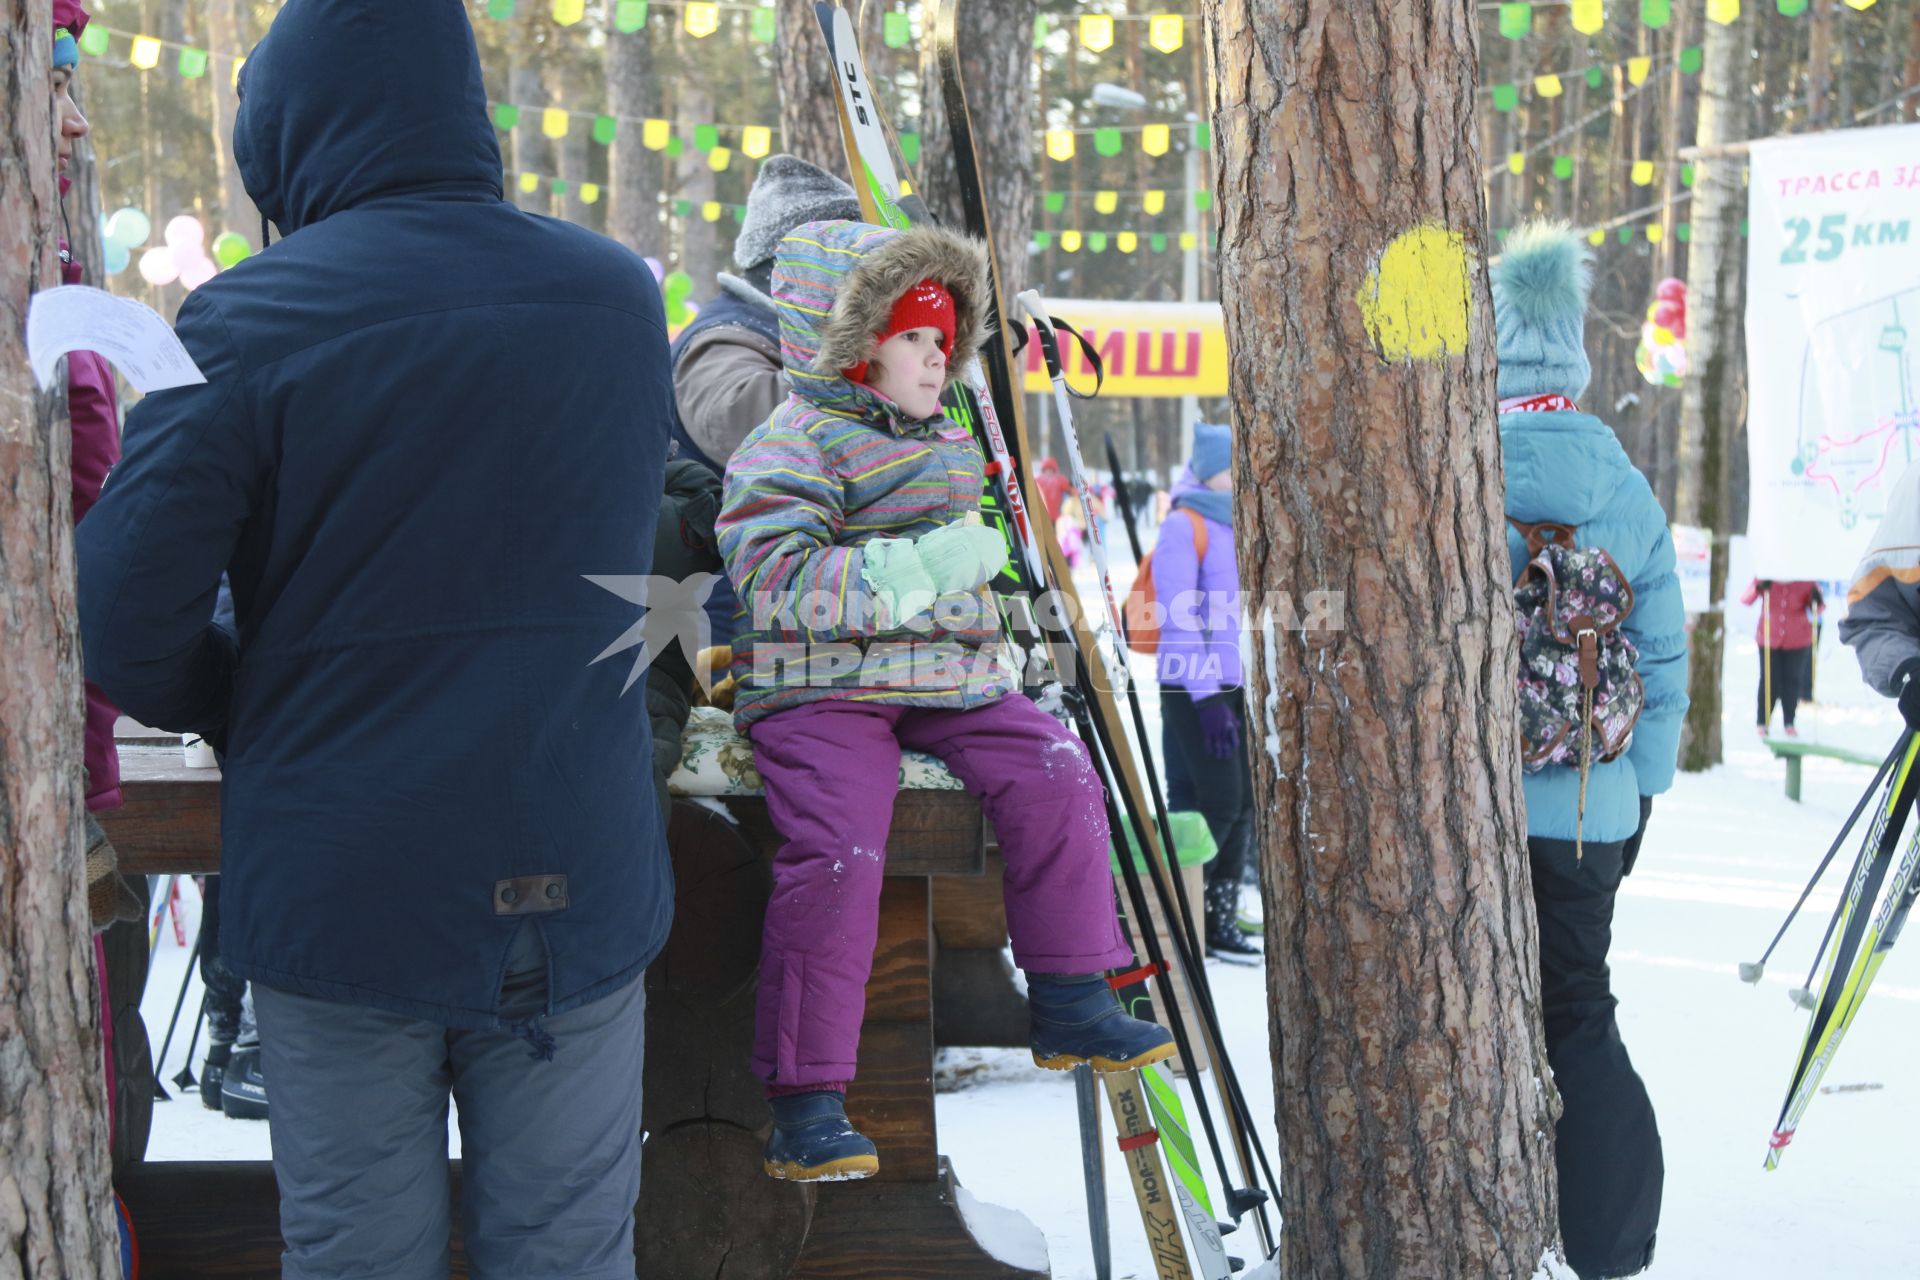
x: 550, y: 1150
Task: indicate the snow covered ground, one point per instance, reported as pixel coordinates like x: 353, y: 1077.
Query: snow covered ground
x: 1726, y: 855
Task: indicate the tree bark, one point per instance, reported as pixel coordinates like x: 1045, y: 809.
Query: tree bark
x: 1414, y: 1104
x: 226, y: 34
x: 996, y: 63
x: 633, y: 174
x: 1709, y: 398
x: 57, y: 1220
x: 1819, y: 66
x: 809, y: 122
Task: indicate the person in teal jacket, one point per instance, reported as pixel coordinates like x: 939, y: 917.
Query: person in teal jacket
x: 1566, y: 466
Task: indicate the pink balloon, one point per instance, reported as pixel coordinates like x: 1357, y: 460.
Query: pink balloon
x: 185, y: 232
x: 1670, y: 314
x: 196, y: 273
x: 1672, y: 289
x: 157, y: 266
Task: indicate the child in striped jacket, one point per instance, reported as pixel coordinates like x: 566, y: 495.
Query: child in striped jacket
x: 851, y: 529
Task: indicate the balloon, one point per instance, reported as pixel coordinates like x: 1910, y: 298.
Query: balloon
x: 196, y: 273
x: 185, y: 232
x: 157, y: 266
x: 231, y: 247
x: 1671, y: 290
x: 116, y: 258
x: 1670, y: 314
x: 659, y: 271
x: 675, y: 290
x: 128, y: 228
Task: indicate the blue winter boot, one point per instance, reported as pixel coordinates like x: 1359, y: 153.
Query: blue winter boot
x: 814, y: 1142
x: 1077, y: 1018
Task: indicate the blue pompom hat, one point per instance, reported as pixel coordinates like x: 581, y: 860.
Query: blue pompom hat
x: 1540, y: 289
x: 1212, y: 450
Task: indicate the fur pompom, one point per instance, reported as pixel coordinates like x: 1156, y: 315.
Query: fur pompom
x: 1543, y: 275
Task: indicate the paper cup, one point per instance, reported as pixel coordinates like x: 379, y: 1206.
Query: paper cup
x: 196, y: 753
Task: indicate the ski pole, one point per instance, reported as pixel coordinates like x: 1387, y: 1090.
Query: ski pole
x: 1095, y: 1170
x: 1751, y: 970
x: 186, y: 980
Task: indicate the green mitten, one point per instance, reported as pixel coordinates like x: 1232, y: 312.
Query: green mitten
x: 961, y: 557
x: 894, y: 573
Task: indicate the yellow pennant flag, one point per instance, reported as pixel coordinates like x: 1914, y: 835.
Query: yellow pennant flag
x: 1656, y: 233
x: 1070, y: 242
x: 589, y: 193
x: 1517, y: 163
x: 1596, y: 236
x: 1166, y: 32
x: 1189, y: 241
x: 1106, y: 201
x: 1126, y: 241
x: 1642, y: 173
x: 1096, y: 31
x: 553, y: 122
x: 719, y: 158
x: 1589, y: 16
x: 702, y: 20
x: 146, y: 53
x: 756, y: 140
x: 1153, y: 202
x: 655, y: 134
x: 1060, y: 144
x: 1723, y: 11
x: 1155, y: 138
x: 529, y: 182
x: 1637, y: 69
x: 237, y: 64
x: 1860, y: 4
x: 1547, y: 86
x: 568, y: 12
x: 712, y: 210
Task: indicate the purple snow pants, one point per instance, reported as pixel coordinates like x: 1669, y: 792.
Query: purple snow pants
x: 831, y: 771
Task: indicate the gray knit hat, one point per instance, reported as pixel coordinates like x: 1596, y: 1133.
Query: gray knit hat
x: 787, y: 192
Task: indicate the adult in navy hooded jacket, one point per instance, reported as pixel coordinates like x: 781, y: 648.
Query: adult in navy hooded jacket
x: 427, y: 415
x: 1568, y: 467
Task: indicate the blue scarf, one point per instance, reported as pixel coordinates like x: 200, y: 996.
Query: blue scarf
x: 1211, y: 504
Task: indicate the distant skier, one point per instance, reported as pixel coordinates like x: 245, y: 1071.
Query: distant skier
x: 1882, y: 625
x: 1584, y: 827
x: 1785, y: 634
x: 851, y: 527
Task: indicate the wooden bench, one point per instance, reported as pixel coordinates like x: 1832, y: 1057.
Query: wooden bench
x: 706, y: 1208
x: 1793, y: 751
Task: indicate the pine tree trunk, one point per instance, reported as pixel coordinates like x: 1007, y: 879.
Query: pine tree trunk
x: 996, y: 62
x: 1414, y: 1105
x: 1709, y: 399
x: 633, y: 174
x: 809, y: 122
x: 56, y: 1215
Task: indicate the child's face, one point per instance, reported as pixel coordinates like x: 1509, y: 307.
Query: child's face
x: 909, y: 369
x: 66, y: 113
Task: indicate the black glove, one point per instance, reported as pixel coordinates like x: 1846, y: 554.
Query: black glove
x: 1907, y: 680
x: 1631, y: 850
x: 1765, y: 584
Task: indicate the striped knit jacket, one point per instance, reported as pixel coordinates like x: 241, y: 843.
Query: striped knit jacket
x: 838, y: 466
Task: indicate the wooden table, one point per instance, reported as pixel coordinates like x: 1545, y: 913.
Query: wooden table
x: 706, y: 1209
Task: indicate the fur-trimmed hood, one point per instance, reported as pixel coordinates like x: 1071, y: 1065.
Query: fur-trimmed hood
x: 835, y: 284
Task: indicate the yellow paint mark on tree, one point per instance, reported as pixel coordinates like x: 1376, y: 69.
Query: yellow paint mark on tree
x: 1415, y: 302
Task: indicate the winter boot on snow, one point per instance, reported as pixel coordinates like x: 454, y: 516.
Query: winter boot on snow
x: 222, y: 1003
x: 243, y: 1085
x: 813, y: 1141
x: 1077, y: 1018
x: 1225, y: 940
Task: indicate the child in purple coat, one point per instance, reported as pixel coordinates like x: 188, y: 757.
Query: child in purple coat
x: 851, y: 529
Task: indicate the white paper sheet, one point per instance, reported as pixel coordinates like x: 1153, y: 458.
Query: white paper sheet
x: 77, y: 317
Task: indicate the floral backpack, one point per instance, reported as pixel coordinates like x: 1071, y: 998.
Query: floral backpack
x: 1579, y: 692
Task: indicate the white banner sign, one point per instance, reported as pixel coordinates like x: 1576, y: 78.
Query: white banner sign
x: 1833, y: 319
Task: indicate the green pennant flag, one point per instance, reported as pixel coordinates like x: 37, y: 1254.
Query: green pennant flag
x: 896, y: 30
x: 1563, y: 167
x: 1505, y: 97
x: 629, y: 15
x: 193, y: 63
x: 560, y: 186
x: 1203, y: 136
x: 910, y: 147
x: 1040, y: 29
x: 1691, y: 59
x: 1097, y: 242
x: 1500, y: 234
x: 682, y: 208
x: 605, y: 130
x: 1626, y: 235
x: 1656, y: 13
x: 1516, y: 21
x: 1596, y: 76
x: 1056, y: 201
x: 705, y: 137
x: 505, y: 115
x: 1683, y: 230
x: 1107, y: 141
x: 93, y: 41
x: 1203, y: 200
x: 765, y: 23
x: 1042, y: 239
x: 501, y: 9
x: 1792, y: 8
x: 739, y: 213
x: 1158, y: 242
x: 1743, y: 226
x: 676, y: 144
x: 1686, y: 175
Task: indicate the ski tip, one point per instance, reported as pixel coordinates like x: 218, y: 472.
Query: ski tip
x: 1801, y: 997
x: 1750, y: 971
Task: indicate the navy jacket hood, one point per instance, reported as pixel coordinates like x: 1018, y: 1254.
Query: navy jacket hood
x: 345, y: 101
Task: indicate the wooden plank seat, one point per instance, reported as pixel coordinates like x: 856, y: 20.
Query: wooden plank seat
x: 1794, y: 750
x: 706, y: 1208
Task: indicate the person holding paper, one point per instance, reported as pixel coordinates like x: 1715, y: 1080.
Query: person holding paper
x: 428, y: 416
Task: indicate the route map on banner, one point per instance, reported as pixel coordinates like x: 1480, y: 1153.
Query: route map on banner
x: 1833, y: 318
